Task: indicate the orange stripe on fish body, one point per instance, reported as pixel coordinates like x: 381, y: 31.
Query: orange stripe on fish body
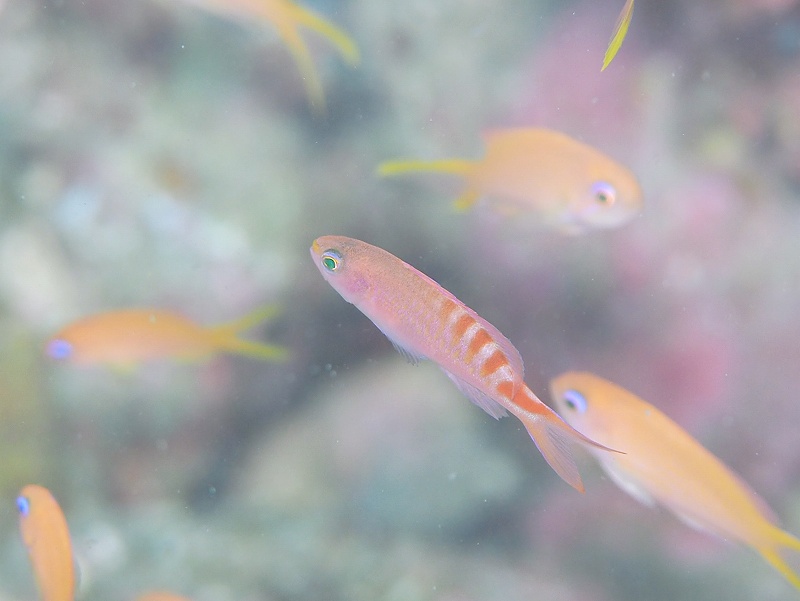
x: 423, y: 320
x: 44, y: 532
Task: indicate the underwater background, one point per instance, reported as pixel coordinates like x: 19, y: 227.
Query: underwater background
x: 155, y: 154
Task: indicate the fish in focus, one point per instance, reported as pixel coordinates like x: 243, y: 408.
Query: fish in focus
x: 287, y: 17
x: 569, y: 185
x: 425, y: 321
x: 130, y: 336
x: 45, y: 534
x: 619, y: 33
x: 664, y: 464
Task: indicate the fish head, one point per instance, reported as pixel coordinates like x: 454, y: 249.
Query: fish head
x: 575, y: 397
x: 609, y: 197
x: 60, y: 349
x: 343, y: 264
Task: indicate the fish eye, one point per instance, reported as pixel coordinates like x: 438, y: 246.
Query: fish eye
x: 59, y: 349
x: 23, y: 505
x: 604, y: 193
x: 575, y: 401
x: 331, y: 260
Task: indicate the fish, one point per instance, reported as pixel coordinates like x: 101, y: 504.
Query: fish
x: 569, y: 185
x: 287, y: 17
x: 44, y: 532
x: 160, y: 596
x: 130, y: 336
x: 619, y: 33
x: 664, y: 465
x: 424, y: 321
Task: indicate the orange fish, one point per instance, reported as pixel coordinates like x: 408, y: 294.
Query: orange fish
x: 131, y: 336
x: 664, y: 464
x: 425, y: 321
x: 44, y: 531
x: 287, y: 17
x: 160, y: 596
x: 569, y: 185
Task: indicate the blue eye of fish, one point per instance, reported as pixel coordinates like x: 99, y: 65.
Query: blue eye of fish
x: 331, y: 260
x: 59, y: 349
x: 604, y: 193
x: 575, y: 400
x: 23, y: 505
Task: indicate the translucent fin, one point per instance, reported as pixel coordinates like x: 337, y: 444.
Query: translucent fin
x: 489, y: 405
x: 457, y: 166
x: 225, y: 336
x: 412, y: 358
x: 630, y: 486
x: 343, y: 43
x: 619, y: 33
x: 553, y: 436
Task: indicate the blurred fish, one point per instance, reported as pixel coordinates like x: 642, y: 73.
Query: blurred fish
x: 287, y: 17
x: 44, y: 531
x: 571, y: 186
x: 424, y: 321
x: 664, y: 464
x: 127, y: 337
x: 160, y: 596
x: 619, y: 33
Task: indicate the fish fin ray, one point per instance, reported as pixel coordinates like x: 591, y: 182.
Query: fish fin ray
x: 479, y: 398
x: 340, y: 40
x: 619, y: 33
x: 412, y: 357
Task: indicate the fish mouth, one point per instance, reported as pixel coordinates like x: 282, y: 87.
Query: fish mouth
x: 315, y: 247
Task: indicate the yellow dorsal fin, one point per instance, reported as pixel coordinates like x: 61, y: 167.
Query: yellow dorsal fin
x: 619, y: 33
x: 343, y: 43
x: 226, y: 336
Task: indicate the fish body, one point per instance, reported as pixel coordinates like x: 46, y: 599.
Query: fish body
x: 619, y: 33
x: 569, y: 185
x: 131, y: 336
x: 287, y: 17
x: 664, y: 464
x: 425, y: 321
x: 160, y: 596
x: 44, y: 532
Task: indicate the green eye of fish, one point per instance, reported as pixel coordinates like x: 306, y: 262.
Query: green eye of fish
x: 604, y: 193
x: 331, y: 260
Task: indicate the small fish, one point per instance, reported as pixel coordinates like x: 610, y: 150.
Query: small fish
x: 127, y: 337
x: 160, y: 596
x: 424, y: 321
x: 569, y: 185
x: 619, y: 33
x: 664, y: 464
x: 287, y: 17
x: 45, y: 534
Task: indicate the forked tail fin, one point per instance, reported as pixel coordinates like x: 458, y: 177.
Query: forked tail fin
x: 553, y: 436
x: 771, y: 553
x: 619, y: 33
x: 343, y: 43
x: 287, y: 30
x: 226, y: 336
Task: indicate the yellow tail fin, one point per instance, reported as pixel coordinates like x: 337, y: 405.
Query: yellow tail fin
x: 457, y: 166
x: 343, y: 43
x: 619, y: 33
x: 302, y: 57
x: 781, y: 539
x: 226, y: 336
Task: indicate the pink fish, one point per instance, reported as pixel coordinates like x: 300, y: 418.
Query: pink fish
x: 425, y: 321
